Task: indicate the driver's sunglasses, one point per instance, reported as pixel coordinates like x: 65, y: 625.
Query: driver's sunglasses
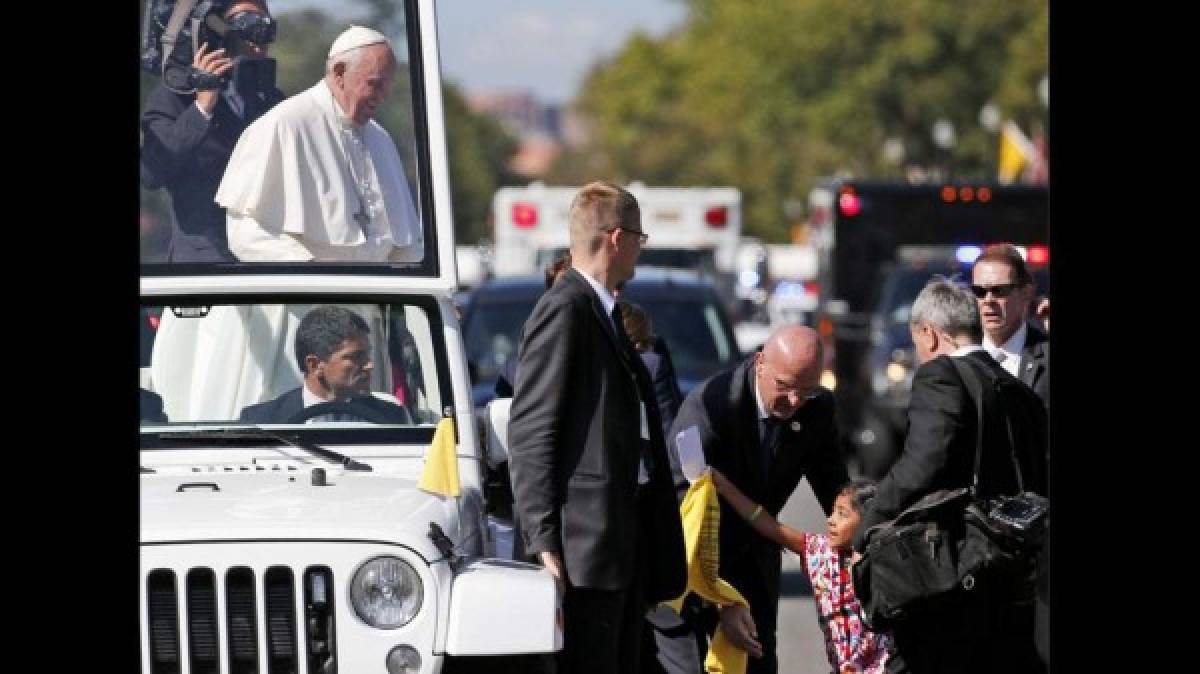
x: 1002, y: 290
x: 252, y: 27
x: 642, y: 236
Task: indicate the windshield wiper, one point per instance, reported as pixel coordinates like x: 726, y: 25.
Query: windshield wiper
x: 250, y: 433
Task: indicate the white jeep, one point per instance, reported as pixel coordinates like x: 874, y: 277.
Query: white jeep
x: 302, y: 543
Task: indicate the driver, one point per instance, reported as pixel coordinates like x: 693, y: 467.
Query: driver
x: 333, y: 351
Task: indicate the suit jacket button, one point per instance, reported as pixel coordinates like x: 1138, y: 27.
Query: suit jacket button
x: 796, y: 426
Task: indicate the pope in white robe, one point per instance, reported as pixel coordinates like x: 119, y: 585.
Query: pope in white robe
x: 317, y: 178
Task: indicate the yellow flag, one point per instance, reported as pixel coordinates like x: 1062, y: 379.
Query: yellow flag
x: 440, y: 475
x: 1015, y: 151
x: 701, y: 525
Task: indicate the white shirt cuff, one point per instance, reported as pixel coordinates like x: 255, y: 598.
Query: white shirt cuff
x: 207, y: 114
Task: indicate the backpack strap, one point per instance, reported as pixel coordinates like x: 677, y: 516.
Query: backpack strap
x: 974, y: 384
x: 170, y: 33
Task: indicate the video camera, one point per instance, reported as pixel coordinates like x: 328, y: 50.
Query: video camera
x: 172, y: 31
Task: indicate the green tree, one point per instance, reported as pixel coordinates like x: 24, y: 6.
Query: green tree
x: 771, y: 95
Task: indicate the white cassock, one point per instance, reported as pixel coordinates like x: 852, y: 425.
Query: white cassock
x: 300, y: 173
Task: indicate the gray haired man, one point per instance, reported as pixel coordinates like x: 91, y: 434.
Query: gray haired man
x: 987, y: 629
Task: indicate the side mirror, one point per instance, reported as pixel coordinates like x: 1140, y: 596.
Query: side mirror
x: 496, y: 420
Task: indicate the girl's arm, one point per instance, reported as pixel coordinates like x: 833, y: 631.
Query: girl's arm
x: 759, y: 519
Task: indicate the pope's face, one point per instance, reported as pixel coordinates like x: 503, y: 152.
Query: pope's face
x: 365, y: 83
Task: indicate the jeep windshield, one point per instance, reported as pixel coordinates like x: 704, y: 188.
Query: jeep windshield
x: 308, y: 365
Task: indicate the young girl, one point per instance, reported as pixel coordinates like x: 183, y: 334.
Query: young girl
x: 852, y: 648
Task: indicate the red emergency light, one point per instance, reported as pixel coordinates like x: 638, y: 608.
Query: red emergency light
x: 812, y: 288
x: 849, y: 204
x: 524, y: 215
x: 1038, y: 255
x: 154, y: 321
x: 716, y: 217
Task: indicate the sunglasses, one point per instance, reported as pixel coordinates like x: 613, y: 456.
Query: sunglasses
x: 1002, y: 290
x: 642, y: 237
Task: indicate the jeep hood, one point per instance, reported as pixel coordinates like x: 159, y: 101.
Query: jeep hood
x: 287, y: 506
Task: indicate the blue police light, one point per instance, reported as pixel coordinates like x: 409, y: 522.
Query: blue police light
x: 967, y: 254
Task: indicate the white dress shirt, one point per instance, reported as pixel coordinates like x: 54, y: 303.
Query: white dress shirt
x: 1008, y: 354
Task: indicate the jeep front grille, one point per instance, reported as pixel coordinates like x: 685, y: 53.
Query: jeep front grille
x: 194, y: 631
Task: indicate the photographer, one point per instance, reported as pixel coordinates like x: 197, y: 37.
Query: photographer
x: 188, y: 137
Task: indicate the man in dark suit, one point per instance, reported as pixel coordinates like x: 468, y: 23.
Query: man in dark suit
x: 188, y: 138
x: 333, y: 350
x: 987, y: 629
x: 590, y: 476
x: 764, y: 424
x: 1005, y: 291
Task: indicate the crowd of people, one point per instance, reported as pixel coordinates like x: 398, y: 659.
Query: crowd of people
x: 595, y: 469
x: 586, y: 457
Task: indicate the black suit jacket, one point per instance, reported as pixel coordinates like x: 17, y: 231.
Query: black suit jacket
x: 1034, y: 368
x: 283, y: 408
x: 187, y: 154
x: 666, y: 386
x: 724, y: 411
x: 575, y: 445
x: 151, y: 406
x: 943, y: 423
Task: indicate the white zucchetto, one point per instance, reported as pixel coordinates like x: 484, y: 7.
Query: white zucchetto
x: 355, y: 37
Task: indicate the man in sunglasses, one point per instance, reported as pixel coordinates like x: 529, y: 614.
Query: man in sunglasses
x: 1005, y: 292
x: 188, y: 136
x: 1004, y: 289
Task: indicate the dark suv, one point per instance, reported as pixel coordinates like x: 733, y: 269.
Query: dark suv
x: 685, y: 310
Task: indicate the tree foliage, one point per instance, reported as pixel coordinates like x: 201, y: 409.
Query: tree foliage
x: 771, y: 95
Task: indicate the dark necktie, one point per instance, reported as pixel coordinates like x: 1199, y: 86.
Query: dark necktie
x: 769, y: 434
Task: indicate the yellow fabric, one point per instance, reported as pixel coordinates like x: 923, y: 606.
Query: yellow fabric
x: 701, y: 523
x: 1015, y: 151
x: 440, y: 475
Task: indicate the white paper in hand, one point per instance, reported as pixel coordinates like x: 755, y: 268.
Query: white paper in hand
x: 691, y: 453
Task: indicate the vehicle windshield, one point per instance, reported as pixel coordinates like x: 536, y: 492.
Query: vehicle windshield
x: 267, y: 162
x: 226, y: 365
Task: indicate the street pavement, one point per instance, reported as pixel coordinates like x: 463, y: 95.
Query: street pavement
x: 801, y: 646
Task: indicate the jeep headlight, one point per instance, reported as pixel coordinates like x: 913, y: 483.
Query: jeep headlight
x: 386, y: 592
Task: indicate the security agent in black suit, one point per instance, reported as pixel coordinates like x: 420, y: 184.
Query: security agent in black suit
x: 188, y: 138
x: 985, y: 630
x: 333, y: 350
x: 1005, y: 292
x: 589, y: 469
x: 764, y: 424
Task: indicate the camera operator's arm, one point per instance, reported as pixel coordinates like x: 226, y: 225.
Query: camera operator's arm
x: 174, y: 125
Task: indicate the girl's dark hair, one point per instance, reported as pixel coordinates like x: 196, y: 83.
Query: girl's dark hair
x: 860, y: 491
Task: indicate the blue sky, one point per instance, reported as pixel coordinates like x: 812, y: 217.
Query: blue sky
x: 544, y: 46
